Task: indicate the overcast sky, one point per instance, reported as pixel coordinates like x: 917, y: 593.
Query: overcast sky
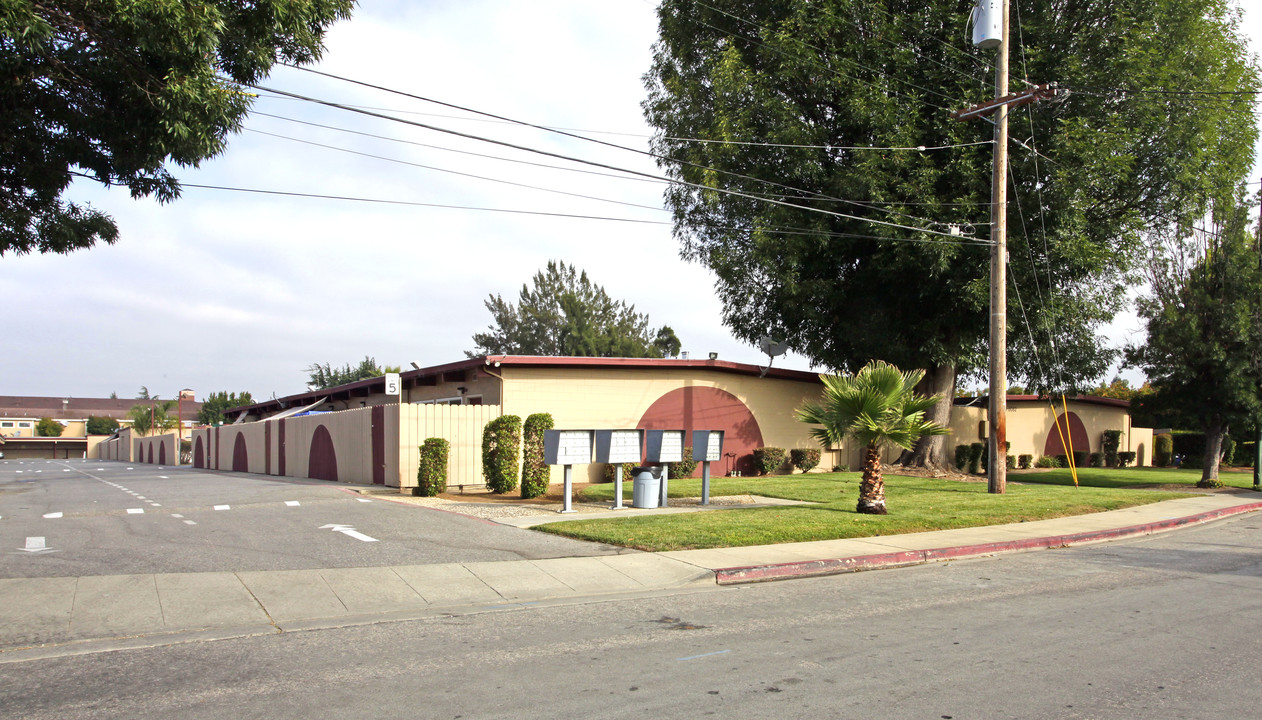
x: 226, y: 290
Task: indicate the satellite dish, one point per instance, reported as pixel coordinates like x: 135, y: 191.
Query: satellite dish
x: 772, y: 348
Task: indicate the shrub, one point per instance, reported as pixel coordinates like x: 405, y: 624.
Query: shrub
x: 1163, y: 450
x: 768, y: 459
x: 684, y: 468
x: 1246, y: 453
x: 1192, y: 461
x: 841, y: 468
x: 975, y: 451
x: 501, y: 443
x: 804, y: 459
x: 1125, y: 458
x: 961, y: 457
x: 1081, y: 458
x: 1097, y: 459
x: 626, y: 471
x: 1109, y: 442
x: 1047, y: 461
x: 431, y: 476
x: 1012, y: 462
x: 101, y: 425
x: 1024, y: 461
x: 535, y: 473
x: 48, y: 427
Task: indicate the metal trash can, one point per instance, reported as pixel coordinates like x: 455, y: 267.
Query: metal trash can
x: 646, y: 487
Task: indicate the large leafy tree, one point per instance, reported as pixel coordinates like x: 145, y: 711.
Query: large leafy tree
x: 877, y: 406
x: 211, y: 412
x: 1203, y: 353
x: 565, y: 313
x: 807, y: 102
x: 48, y: 427
x: 113, y: 91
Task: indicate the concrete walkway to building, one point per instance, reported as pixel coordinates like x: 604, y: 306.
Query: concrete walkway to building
x: 42, y: 617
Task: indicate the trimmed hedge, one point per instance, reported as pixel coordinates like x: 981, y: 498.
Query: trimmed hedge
x: 1163, y: 450
x: 431, y: 476
x: 804, y: 459
x: 1125, y: 458
x: 1024, y: 461
x: 1110, y: 441
x: 1048, y: 461
x: 961, y: 457
x: 1097, y: 460
x: 535, y: 473
x: 769, y: 459
x: 501, y: 444
x: 975, y: 452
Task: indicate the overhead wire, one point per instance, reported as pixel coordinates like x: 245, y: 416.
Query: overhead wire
x: 696, y: 186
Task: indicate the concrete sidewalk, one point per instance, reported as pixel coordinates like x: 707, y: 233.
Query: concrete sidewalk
x: 41, y: 617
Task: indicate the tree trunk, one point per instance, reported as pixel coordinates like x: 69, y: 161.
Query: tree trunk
x: 931, y: 451
x: 872, y: 487
x: 1214, y: 432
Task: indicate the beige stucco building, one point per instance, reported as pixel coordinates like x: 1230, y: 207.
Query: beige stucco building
x: 358, y: 433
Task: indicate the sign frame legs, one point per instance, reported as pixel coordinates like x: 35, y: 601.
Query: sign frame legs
x: 569, y: 487
x: 617, y: 491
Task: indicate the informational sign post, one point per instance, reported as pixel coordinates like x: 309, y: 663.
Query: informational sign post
x: 664, y: 446
x: 618, y: 447
x: 393, y: 385
x: 567, y: 448
x: 707, y: 447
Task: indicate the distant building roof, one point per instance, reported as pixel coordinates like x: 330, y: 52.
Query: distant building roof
x: 72, y: 408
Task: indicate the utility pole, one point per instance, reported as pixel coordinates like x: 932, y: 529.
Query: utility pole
x: 1257, y: 448
x: 997, y: 473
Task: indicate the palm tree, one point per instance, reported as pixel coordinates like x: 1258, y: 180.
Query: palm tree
x: 877, y: 406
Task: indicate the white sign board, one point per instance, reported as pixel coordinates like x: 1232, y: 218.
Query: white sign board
x: 574, y: 447
x: 393, y: 385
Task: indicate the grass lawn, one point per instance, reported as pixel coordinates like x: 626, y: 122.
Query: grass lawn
x: 916, y: 504
x: 1132, y: 477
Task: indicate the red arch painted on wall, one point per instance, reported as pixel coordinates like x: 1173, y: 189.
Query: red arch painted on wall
x: 322, y: 462
x: 199, y: 454
x: 150, y: 444
x: 1077, y: 436
x: 240, y: 456
x: 162, y: 454
x: 708, y: 408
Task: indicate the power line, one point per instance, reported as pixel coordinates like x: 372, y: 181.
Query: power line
x: 723, y: 191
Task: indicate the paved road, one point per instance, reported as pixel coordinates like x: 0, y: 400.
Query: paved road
x: 73, y: 518
x: 1163, y: 627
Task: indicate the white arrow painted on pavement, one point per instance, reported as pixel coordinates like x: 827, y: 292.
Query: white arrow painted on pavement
x: 35, y: 544
x: 349, y: 530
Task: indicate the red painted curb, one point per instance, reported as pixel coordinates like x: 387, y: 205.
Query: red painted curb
x: 836, y: 566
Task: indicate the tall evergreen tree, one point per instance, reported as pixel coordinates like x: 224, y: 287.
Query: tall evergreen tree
x: 565, y: 313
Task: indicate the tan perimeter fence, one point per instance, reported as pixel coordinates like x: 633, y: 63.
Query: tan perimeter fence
x: 368, y: 446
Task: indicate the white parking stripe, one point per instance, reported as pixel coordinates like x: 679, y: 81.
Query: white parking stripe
x: 52, y: 515
x: 292, y: 503
x: 135, y: 511
x: 189, y: 522
x: 223, y: 507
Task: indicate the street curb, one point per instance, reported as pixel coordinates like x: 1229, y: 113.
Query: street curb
x: 836, y: 566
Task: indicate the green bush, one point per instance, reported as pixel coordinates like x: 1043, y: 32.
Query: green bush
x: 961, y: 457
x: 841, y: 468
x: 1163, y: 450
x: 501, y: 444
x: 1081, y: 458
x: 975, y: 452
x: 1097, y: 460
x: 1110, y: 440
x: 804, y: 459
x: 684, y: 468
x: 101, y: 425
x: 431, y: 476
x: 1125, y: 458
x: 1024, y: 461
x: 1246, y: 454
x: 48, y: 427
x: 769, y: 459
x: 1011, y: 462
x: 1047, y: 461
x: 535, y: 473
x: 626, y: 471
